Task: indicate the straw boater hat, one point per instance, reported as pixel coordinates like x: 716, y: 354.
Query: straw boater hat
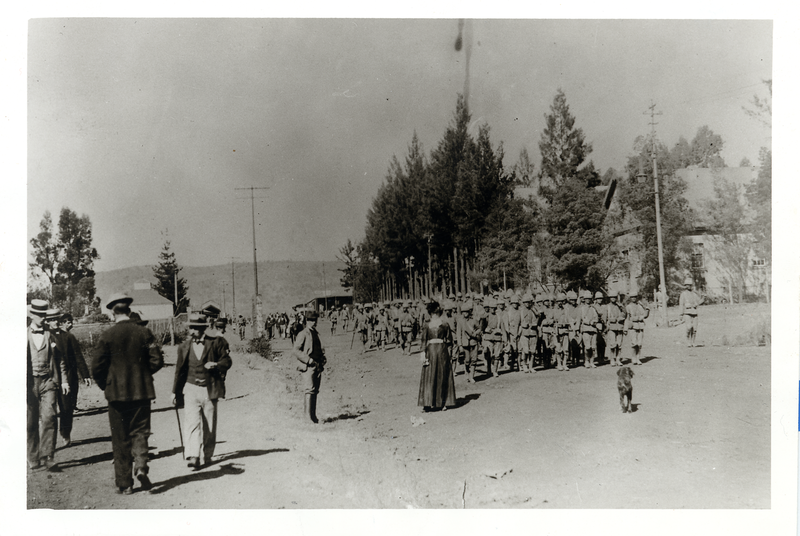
x: 119, y: 297
x: 197, y: 320
x: 37, y: 308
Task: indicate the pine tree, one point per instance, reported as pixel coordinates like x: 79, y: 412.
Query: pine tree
x: 165, y: 272
x: 563, y: 147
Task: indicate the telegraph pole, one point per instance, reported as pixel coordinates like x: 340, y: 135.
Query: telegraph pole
x: 257, y: 297
x: 664, y: 320
x: 233, y: 285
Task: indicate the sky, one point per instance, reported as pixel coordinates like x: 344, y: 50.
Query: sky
x: 149, y: 126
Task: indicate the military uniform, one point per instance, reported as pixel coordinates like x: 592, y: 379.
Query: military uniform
x: 689, y: 302
x: 615, y: 324
x: 636, y: 313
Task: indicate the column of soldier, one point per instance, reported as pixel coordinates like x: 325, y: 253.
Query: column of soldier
x: 123, y: 362
x: 512, y: 332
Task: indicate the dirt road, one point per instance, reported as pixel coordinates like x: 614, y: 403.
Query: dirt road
x: 699, y: 438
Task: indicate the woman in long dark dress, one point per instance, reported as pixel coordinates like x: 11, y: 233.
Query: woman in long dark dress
x: 437, y: 387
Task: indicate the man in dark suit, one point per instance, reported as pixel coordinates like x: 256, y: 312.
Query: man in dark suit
x: 46, y: 379
x: 203, y: 362
x: 125, y: 359
x: 77, y: 372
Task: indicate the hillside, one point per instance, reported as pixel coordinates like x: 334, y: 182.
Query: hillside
x: 282, y: 283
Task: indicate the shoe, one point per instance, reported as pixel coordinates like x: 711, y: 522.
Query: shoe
x: 66, y: 442
x: 193, y: 462
x: 124, y: 491
x: 144, y: 480
x: 50, y: 464
x: 35, y: 468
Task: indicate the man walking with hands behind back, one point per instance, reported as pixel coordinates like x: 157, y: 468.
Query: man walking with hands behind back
x: 200, y: 371
x: 125, y: 359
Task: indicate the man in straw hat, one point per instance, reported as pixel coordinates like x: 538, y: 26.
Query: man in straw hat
x: 199, y: 383
x: 124, y: 361
x: 47, y: 376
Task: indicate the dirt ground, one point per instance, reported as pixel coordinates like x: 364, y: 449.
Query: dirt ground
x: 699, y: 436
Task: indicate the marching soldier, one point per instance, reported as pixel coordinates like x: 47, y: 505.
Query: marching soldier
x: 561, y: 332
x: 589, y: 321
x: 360, y: 325
x: 493, y: 338
x: 468, y: 339
x: 382, y: 322
x: 548, y: 328
x: 636, y: 313
x: 689, y: 302
x: 513, y: 328
x: 528, y: 337
x: 615, y: 324
x: 406, y: 327
x: 601, y: 314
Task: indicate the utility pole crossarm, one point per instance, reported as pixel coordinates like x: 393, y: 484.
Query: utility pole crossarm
x: 257, y: 298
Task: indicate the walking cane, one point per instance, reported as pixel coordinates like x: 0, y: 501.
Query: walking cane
x: 180, y: 433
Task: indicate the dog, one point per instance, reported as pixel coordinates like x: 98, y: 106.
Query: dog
x: 625, y: 388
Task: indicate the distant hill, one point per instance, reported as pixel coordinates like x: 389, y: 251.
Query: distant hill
x: 282, y: 283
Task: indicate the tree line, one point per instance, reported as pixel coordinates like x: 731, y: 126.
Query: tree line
x: 453, y: 221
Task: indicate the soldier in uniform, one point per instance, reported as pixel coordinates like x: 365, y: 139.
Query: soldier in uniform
x: 614, y: 325
x: 468, y: 338
x: 382, y: 327
x: 334, y: 317
x: 493, y: 339
x: 360, y: 325
x: 406, y: 327
x: 548, y: 328
x: 561, y: 332
x: 513, y: 328
x: 636, y: 313
x: 589, y: 322
x: 601, y: 313
x: 689, y: 302
x: 528, y: 336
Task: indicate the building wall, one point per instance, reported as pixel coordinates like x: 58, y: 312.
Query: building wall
x: 706, y: 258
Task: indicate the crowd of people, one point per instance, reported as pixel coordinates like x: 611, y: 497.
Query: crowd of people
x: 122, y: 364
x: 507, y: 331
x: 504, y: 332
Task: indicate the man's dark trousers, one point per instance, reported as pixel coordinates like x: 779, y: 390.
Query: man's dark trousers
x: 130, y: 428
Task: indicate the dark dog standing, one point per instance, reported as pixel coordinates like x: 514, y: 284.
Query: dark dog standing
x: 625, y: 388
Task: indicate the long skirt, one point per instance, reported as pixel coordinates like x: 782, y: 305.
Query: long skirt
x: 437, y: 388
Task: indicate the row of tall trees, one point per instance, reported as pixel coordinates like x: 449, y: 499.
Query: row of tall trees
x: 437, y: 221
x: 454, y: 211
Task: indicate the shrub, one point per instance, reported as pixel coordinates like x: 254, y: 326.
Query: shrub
x: 261, y: 346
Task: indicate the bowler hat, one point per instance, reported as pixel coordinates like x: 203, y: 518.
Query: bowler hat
x: 119, y: 297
